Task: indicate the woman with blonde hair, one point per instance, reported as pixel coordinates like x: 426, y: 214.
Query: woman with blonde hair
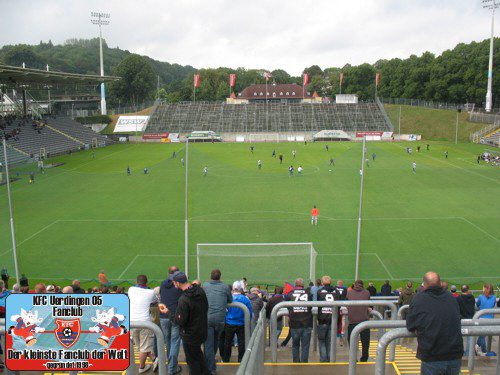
x: 487, y: 300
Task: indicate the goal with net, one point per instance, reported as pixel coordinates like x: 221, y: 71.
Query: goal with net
x: 264, y: 137
x: 262, y: 263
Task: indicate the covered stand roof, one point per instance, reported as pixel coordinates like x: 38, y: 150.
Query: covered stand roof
x: 13, y: 77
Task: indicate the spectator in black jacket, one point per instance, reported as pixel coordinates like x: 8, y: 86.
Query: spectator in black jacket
x: 435, y: 317
x: 371, y: 289
x: 191, y: 316
x: 301, y: 322
x: 326, y: 293
x: 386, y: 289
x: 273, y: 301
x: 467, y: 306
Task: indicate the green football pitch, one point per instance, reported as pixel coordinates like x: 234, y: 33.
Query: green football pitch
x: 87, y: 215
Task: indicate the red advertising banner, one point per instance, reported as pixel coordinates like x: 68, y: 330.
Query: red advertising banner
x: 196, y: 80
x: 232, y: 79
x: 67, y: 332
x: 155, y: 135
x: 362, y: 134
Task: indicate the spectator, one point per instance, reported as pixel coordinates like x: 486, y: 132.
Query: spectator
x: 76, y: 287
x: 235, y: 324
x: 67, y: 289
x: 326, y: 293
x: 169, y: 296
x: 218, y: 296
x: 372, y: 290
x: 191, y: 316
x: 359, y: 314
x: 24, y: 281
x: 16, y: 288
x: 406, y: 297
x: 467, y: 306
x: 51, y: 289
x: 255, y: 298
x: 301, y: 322
x: 444, y: 285
x: 314, y: 289
x: 40, y: 288
x: 273, y: 301
x: 386, y: 289
x: 3, y: 296
x: 435, y: 318
x: 141, y: 298
x: 5, y: 277
x: 453, y: 290
x: 486, y: 300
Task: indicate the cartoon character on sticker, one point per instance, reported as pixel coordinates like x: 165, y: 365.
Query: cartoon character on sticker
x: 107, y: 325
x: 26, y: 326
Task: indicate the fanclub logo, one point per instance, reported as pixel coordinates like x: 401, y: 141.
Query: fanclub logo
x: 67, y: 331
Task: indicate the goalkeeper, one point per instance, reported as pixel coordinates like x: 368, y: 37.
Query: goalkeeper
x: 314, y: 215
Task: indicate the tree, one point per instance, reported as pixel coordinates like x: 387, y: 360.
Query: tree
x: 22, y: 53
x: 137, y: 81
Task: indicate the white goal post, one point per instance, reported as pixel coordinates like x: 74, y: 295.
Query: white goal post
x: 264, y: 137
x: 260, y: 263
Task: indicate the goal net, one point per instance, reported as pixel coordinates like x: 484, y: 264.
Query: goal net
x: 262, y: 263
x: 264, y: 137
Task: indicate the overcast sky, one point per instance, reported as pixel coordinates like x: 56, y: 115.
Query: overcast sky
x: 255, y: 34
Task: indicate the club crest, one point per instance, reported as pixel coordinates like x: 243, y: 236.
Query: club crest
x: 67, y: 331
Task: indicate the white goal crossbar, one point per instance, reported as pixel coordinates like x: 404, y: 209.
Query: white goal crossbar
x: 265, y: 263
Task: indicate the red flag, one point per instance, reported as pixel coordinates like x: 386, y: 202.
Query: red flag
x: 341, y: 77
x: 377, y: 79
x: 196, y: 80
x: 267, y: 75
x: 306, y: 79
x: 232, y: 79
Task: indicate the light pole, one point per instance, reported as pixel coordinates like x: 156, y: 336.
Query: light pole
x: 100, y: 19
x: 490, y: 4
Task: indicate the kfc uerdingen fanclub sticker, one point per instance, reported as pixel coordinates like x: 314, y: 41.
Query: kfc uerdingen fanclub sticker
x: 61, y: 332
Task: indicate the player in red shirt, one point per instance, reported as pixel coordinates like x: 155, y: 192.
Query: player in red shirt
x: 314, y: 215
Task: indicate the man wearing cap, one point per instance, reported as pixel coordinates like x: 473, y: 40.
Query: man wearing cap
x: 235, y: 324
x: 191, y: 316
x: 435, y: 317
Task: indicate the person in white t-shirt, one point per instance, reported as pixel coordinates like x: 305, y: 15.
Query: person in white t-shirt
x: 141, y: 298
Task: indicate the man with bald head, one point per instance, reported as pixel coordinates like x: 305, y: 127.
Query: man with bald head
x: 435, y: 317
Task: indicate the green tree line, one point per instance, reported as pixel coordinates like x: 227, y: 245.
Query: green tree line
x: 458, y: 75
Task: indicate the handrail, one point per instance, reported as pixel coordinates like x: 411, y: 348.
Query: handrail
x: 254, y: 354
x: 472, y: 342
x: 333, y: 345
x: 246, y: 313
x: 403, y: 332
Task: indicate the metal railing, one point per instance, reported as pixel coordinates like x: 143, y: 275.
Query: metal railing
x: 403, y: 332
x: 472, y: 340
x: 333, y: 344
x: 253, y: 360
x: 247, y: 319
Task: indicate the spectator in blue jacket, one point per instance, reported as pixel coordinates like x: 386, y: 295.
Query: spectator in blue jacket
x: 487, y: 300
x: 235, y: 324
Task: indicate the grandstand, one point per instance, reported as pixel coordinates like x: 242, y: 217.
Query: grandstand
x: 57, y: 136
x: 272, y: 117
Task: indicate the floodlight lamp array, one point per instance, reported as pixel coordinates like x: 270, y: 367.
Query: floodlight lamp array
x: 490, y: 4
x: 100, y: 15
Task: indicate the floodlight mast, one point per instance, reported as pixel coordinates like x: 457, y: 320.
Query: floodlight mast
x: 99, y: 19
x: 490, y: 4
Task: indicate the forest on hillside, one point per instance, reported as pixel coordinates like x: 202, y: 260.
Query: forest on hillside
x: 458, y: 75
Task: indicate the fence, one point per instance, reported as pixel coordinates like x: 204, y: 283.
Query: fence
x: 421, y: 103
x: 253, y: 360
x: 333, y: 345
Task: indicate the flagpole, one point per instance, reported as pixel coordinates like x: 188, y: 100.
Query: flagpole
x: 267, y: 108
